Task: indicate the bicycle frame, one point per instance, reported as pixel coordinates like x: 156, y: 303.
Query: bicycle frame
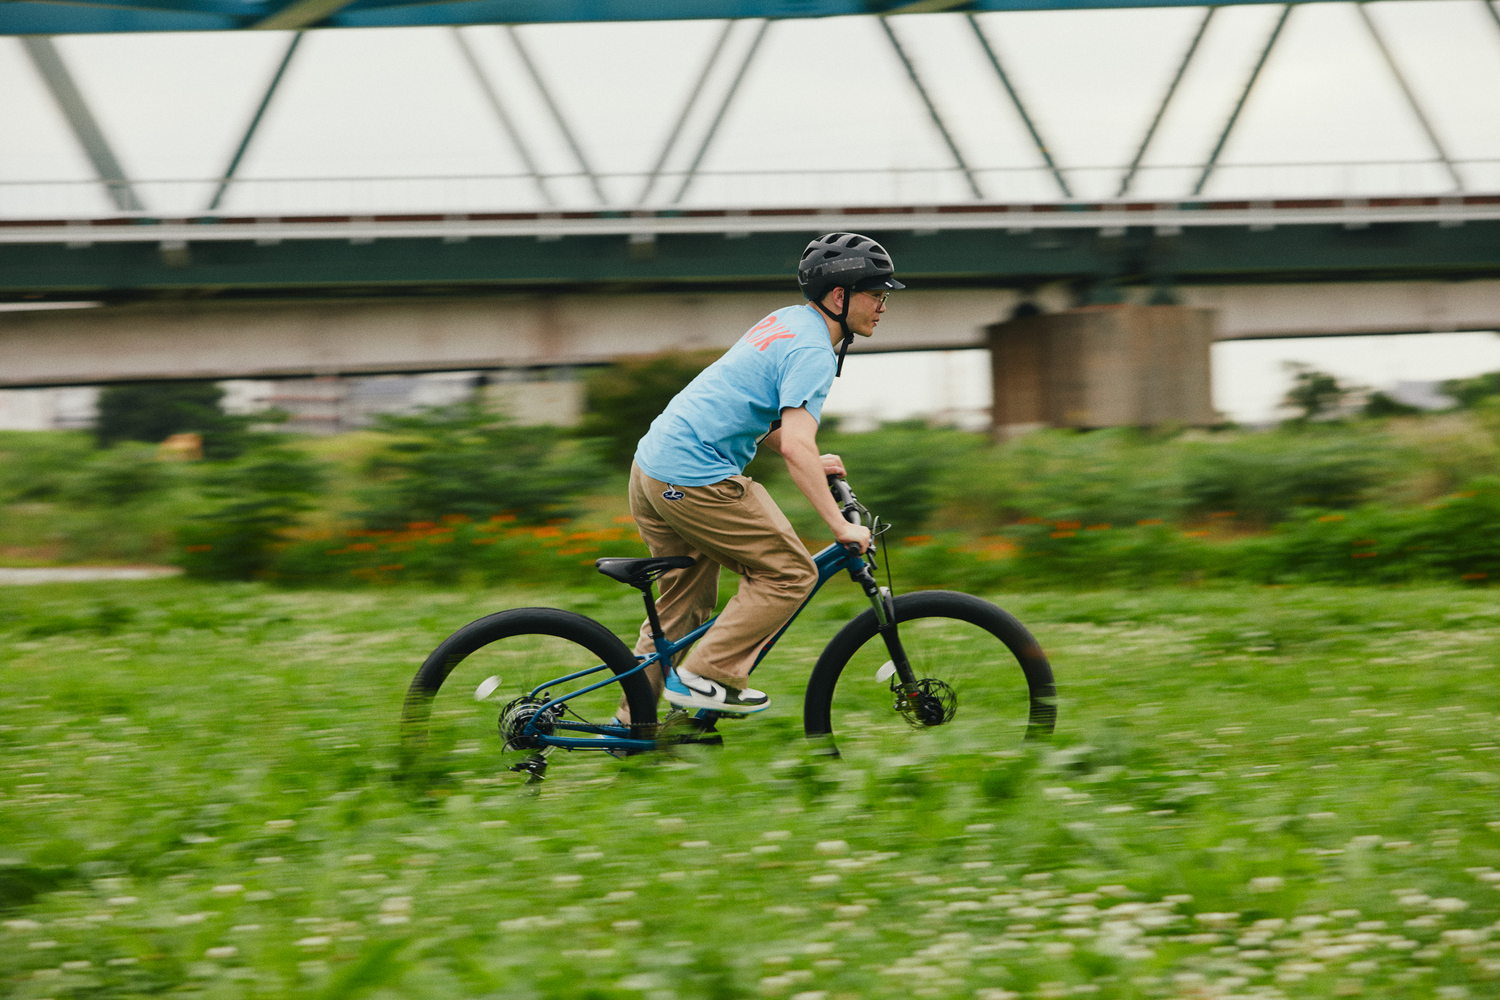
x: 830, y: 562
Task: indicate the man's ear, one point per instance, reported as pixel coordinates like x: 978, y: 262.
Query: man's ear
x: 835, y: 299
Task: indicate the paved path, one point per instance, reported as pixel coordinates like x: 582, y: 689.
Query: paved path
x: 79, y: 574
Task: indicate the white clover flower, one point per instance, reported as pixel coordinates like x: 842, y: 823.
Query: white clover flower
x: 280, y: 824
x: 829, y: 878
x: 566, y: 880
x: 315, y: 941
x: 1267, y: 883
x: 227, y: 890
x: 626, y: 926
x: 1216, y: 919
x: 1449, y: 904
x: 223, y: 951
x: 831, y: 847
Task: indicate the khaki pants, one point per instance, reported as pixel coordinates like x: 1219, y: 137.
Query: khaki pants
x: 733, y: 523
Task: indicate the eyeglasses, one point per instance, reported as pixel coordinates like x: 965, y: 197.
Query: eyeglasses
x: 879, y: 297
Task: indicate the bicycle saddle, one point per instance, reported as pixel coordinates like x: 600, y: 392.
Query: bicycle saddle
x: 641, y: 572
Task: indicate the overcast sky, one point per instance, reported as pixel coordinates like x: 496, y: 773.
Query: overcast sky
x: 401, y: 102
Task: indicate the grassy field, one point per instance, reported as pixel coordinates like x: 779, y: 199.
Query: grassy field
x: 1253, y: 792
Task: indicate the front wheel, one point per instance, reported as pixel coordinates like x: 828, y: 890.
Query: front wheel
x: 964, y: 652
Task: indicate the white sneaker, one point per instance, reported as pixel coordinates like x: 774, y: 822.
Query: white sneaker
x: 687, y: 690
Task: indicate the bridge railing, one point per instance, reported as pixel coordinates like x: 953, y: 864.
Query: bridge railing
x: 742, y: 189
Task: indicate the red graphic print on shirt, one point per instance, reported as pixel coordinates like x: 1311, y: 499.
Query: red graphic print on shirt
x: 767, y: 332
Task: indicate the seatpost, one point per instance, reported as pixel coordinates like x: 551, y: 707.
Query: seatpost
x: 657, y: 634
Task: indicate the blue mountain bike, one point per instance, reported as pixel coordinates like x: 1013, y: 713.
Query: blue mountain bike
x: 936, y: 661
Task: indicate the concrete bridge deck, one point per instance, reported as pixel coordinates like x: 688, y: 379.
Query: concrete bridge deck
x: 231, y: 298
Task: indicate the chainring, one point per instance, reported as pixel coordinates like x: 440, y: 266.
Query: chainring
x: 925, y: 703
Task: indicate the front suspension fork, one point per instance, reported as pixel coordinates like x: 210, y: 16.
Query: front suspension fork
x: 884, y: 606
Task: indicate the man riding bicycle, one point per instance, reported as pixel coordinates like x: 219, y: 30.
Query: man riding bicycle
x: 689, y: 494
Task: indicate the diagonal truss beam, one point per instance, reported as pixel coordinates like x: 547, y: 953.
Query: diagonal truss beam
x: 1234, y: 116
x: 1140, y: 154
x: 300, y: 14
x: 1411, y: 98
x: 557, y: 115
x: 249, y: 136
x: 54, y: 73
x: 937, y: 119
x: 687, y: 109
x: 507, y: 123
x: 713, y: 129
x: 1015, y: 99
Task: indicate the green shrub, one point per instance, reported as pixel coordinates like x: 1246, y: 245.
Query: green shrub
x: 1469, y: 391
x: 152, y: 411
x: 1456, y: 539
x: 1113, y: 476
x: 898, y: 471
x: 621, y: 400
x: 466, y: 460
x: 1317, y: 394
x: 454, y: 550
x: 260, y: 498
x: 1264, y: 477
x: 36, y: 465
x: 128, y: 473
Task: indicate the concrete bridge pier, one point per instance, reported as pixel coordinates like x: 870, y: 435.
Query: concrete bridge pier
x: 1102, y: 366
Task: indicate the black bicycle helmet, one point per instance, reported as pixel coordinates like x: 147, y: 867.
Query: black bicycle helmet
x: 844, y: 260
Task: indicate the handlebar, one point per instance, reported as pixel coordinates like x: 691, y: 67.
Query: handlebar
x: 848, y: 505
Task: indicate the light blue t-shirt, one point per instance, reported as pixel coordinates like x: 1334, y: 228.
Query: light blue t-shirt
x: 709, y: 430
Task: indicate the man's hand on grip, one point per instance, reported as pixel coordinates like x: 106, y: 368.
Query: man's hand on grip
x: 852, y: 536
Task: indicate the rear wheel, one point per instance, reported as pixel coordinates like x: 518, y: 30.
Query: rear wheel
x: 965, y: 652
x: 468, y: 705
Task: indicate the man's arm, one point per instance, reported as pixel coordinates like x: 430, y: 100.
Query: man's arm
x: 796, y: 440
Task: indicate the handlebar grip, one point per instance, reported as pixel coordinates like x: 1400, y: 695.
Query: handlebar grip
x: 845, y: 498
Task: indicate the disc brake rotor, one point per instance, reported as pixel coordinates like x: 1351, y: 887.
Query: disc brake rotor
x: 927, y: 702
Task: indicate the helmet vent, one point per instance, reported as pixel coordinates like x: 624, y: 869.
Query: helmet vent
x: 876, y: 248
x: 881, y: 261
x: 854, y: 241
x: 832, y: 253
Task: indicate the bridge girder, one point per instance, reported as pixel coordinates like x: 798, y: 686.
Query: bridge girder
x: 1094, y: 250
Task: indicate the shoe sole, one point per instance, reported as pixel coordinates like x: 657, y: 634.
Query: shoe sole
x: 698, y: 701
